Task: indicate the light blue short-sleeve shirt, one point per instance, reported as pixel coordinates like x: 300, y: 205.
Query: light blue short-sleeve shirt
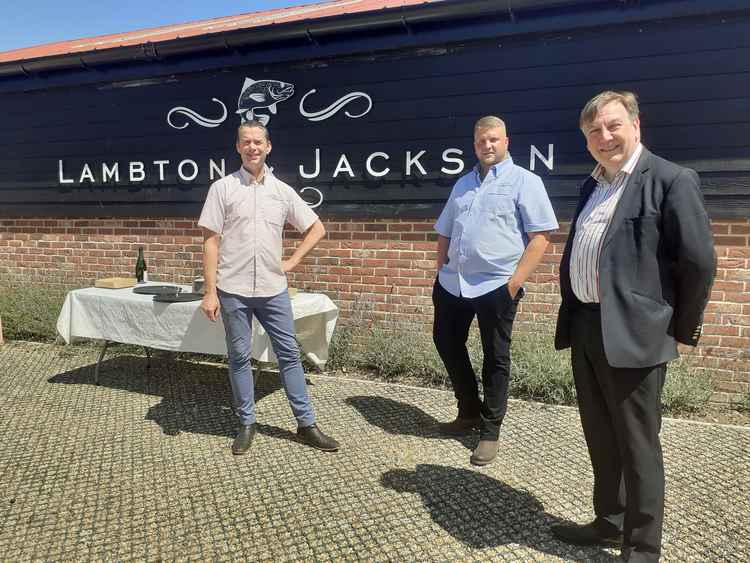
x: 487, y: 221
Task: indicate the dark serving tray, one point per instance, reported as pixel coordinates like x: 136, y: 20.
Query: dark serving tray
x: 178, y: 297
x: 157, y: 289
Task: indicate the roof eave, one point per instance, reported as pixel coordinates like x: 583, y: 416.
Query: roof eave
x: 405, y: 17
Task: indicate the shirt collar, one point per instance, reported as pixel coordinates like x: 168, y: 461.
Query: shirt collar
x: 598, y: 173
x: 248, y: 179
x: 495, y: 169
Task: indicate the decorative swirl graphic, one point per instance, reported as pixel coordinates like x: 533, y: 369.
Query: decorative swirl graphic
x: 317, y: 191
x: 335, y: 107
x: 196, y: 117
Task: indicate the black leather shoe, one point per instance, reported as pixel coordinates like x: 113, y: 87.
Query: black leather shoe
x: 485, y: 452
x: 587, y: 534
x: 458, y: 427
x: 312, y: 436
x: 244, y: 439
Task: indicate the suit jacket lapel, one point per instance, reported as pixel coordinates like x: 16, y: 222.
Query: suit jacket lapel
x: 630, y: 192
x: 586, y: 189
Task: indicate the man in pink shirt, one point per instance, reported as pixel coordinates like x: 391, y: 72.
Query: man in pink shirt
x: 243, y: 220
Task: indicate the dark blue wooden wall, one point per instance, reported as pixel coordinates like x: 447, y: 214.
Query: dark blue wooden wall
x: 692, y: 76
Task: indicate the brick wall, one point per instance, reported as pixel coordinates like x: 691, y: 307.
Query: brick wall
x: 387, y: 265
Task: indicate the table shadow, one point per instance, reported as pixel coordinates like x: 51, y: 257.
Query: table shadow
x: 397, y: 417
x: 195, y: 397
x: 482, y: 512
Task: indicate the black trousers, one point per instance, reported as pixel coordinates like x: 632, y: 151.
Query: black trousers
x: 621, y: 417
x: 495, y: 312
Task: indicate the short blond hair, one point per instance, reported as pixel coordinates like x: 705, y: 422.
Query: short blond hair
x: 628, y: 100
x: 488, y: 122
x: 252, y: 124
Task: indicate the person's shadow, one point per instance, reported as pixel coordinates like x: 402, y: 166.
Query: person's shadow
x: 482, y: 512
x: 195, y: 397
x: 396, y: 417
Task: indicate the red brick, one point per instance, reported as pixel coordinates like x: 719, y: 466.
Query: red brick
x: 727, y: 330
x: 730, y: 240
x: 412, y: 255
x: 732, y: 386
x: 731, y: 263
x: 720, y: 229
x: 733, y: 286
x: 737, y: 275
x: 339, y: 236
x: 732, y: 342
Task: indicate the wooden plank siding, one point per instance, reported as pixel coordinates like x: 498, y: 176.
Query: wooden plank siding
x: 692, y: 76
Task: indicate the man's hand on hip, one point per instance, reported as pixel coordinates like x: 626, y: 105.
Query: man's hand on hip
x: 513, y: 288
x: 210, y: 306
x: 288, y: 265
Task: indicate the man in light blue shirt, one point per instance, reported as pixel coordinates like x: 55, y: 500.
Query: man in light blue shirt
x: 492, y: 234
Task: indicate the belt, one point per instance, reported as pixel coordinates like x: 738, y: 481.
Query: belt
x: 591, y: 306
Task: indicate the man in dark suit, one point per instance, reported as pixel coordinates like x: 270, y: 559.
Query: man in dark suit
x: 635, y: 277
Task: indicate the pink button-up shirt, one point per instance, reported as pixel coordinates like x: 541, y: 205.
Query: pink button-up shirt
x: 250, y: 218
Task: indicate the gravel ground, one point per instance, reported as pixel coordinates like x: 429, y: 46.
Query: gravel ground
x: 139, y: 468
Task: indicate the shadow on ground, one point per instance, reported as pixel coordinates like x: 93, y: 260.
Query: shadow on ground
x: 195, y: 397
x: 396, y: 417
x: 482, y: 512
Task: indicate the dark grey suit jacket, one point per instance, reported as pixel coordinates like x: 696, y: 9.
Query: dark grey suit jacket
x: 656, y: 266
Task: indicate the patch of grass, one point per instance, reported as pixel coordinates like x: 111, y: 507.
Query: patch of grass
x: 539, y: 372
x: 686, y: 388
x: 743, y: 404
x: 30, y: 311
x: 403, y: 350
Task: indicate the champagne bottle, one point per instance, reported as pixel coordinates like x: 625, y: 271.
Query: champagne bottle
x: 141, y: 274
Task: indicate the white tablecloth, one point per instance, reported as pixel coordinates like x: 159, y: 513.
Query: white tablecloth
x: 119, y: 315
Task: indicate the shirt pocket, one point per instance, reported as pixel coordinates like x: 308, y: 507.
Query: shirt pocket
x: 273, y: 210
x: 498, y: 203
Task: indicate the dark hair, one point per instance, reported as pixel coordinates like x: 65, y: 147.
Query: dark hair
x: 628, y: 100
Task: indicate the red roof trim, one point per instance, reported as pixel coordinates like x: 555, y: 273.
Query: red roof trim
x: 307, y: 12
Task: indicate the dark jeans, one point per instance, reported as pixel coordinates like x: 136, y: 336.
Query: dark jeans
x: 495, y: 312
x: 621, y: 418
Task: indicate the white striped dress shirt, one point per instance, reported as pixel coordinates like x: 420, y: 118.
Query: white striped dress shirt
x: 592, y: 225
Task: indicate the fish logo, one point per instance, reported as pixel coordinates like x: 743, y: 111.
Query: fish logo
x: 260, y: 94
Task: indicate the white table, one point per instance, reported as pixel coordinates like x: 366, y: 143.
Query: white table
x: 119, y: 315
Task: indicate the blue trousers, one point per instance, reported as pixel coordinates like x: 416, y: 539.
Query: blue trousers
x: 275, y: 316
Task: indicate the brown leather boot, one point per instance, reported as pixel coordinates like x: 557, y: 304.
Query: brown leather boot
x: 485, y: 452
x: 458, y: 427
x: 312, y: 436
x: 244, y: 439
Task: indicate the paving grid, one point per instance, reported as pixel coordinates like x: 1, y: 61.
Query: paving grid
x: 139, y: 468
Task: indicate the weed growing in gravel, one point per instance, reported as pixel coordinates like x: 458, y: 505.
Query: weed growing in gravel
x: 743, y: 404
